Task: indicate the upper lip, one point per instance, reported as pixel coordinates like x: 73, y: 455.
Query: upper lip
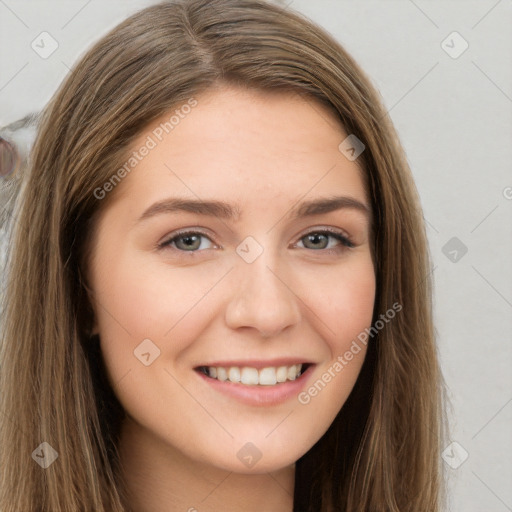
x: 257, y: 363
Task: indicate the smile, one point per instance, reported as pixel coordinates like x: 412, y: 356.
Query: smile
x: 257, y: 383
x: 267, y: 376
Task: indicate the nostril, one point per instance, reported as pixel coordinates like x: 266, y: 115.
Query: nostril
x: 8, y: 158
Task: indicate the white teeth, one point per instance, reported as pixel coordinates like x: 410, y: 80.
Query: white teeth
x: 268, y: 376
x: 249, y: 376
x: 234, y: 374
x: 282, y: 374
x: 292, y: 372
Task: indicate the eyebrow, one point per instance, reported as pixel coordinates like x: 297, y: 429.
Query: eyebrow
x: 224, y: 210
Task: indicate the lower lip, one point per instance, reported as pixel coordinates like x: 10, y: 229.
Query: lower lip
x: 260, y: 395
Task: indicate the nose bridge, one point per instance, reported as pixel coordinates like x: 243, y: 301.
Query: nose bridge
x: 261, y: 297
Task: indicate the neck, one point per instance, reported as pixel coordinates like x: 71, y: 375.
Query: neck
x: 160, y: 478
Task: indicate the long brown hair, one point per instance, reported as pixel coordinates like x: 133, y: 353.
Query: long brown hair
x: 382, y: 452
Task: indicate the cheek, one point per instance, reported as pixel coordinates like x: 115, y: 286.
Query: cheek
x: 343, y: 299
x: 343, y: 304
x: 353, y: 310
x: 138, y: 299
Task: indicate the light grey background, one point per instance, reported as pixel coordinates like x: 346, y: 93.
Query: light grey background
x: 454, y: 119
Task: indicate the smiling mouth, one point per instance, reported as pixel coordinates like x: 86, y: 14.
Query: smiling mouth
x: 268, y: 376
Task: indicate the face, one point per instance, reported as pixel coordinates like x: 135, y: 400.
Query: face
x: 230, y: 276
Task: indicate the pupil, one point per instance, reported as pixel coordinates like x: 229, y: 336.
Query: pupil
x: 316, y: 238
x: 189, y: 241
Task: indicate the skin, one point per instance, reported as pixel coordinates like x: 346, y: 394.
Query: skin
x: 265, y: 153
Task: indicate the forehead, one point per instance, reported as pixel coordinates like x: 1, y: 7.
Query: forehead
x: 237, y: 144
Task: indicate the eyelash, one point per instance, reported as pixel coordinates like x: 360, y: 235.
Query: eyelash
x: 345, y: 241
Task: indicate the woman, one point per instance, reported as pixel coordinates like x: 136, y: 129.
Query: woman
x: 260, y: 369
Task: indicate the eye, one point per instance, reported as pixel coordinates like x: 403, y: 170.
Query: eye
x: 319, y: 240
x: 192, y: 241
x: 187, y: 241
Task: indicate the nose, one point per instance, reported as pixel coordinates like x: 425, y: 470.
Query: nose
x: 262, y: 300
